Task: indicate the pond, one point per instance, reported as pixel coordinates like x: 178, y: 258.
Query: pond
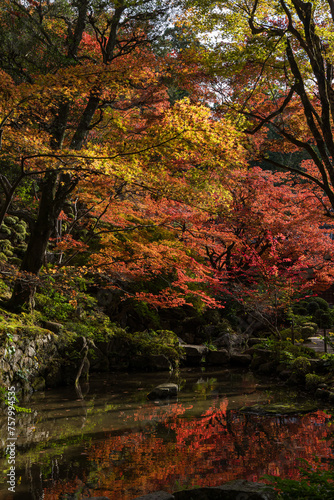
x: 110, y: 440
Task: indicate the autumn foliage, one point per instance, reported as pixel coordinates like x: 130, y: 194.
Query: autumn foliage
x: 126, y: 166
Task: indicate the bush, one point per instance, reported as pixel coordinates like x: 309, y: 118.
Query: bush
x: 55, y: 307
x: 152, y: 342
x: 286, y: 333
x: 301, y: 365
x: 300, y: 310
x: 312, y: 381
x: 306, y: 331
x: 285, y: 350
x: 323, y: 304
x: 323, y: 319
x: 311, y: 325
x: 301, y: 332
x: 312, y: 307
x: 315, y: 484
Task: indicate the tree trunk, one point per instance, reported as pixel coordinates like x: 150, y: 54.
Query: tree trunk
x: 56, y: 187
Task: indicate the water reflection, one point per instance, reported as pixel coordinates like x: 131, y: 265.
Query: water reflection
x: 116, y: 443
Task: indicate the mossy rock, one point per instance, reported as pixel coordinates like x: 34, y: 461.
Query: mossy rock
x: 280, y: 408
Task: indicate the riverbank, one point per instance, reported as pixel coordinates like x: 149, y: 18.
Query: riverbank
x: 38, y: 354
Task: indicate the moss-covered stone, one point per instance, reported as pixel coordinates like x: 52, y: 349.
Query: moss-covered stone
x: 280, y: 409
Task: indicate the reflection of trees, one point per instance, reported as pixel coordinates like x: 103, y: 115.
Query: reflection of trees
x: 218, y: 446
x: 81, y: 393
x: 35, y: 480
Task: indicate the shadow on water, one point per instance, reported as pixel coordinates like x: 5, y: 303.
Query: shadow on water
x: 108, y: 439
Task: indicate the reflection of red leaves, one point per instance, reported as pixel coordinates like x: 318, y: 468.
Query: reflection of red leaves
x: 214, y: 448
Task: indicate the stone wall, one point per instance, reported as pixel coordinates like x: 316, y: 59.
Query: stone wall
x: 28, y: 357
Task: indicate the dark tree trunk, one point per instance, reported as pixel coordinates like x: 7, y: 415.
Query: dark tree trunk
x: 56, y: 187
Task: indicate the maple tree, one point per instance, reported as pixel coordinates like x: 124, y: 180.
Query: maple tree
x: 81, y: 108
x: 273, y: 65
x: 261, y: 254
x: 235, y: 244
x: 271, y: 244
x: 118, y: 163
x: 141, y: 232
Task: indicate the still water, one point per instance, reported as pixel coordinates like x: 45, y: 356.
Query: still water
x: 110, y: 440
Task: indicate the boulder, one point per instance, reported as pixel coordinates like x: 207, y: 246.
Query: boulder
x: 234, y: 490
x: 255, y: 340
x: 53, y: 326
x: 229, y: 341
x: 259, y: 357
x: 154, y: 362
x: 163, y: 391
x: 157, y: 495
x: 95, y: 498
x: 241, y: 359
x: 217, y: 358
x: 194, y: 353
x: 322, y: 393
x: 268, y: 368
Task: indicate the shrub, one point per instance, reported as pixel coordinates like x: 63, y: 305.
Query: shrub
x: 55, y: 307
x: 287, y: 333
x: 315, y: 484
x: 301, y: 365
x: 300, y: 310
x: 306, y: 331
x: 324, y: 319
x: 312, y: 307
x: 323, y: 304
x: 311, y: 325
x: 312, y: 380
x: 152, y: 342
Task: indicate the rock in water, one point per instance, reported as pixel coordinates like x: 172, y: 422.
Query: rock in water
x: 234, y: 490
x: 164, y: 391
x: 157, y: 495
x: 95, y: 498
